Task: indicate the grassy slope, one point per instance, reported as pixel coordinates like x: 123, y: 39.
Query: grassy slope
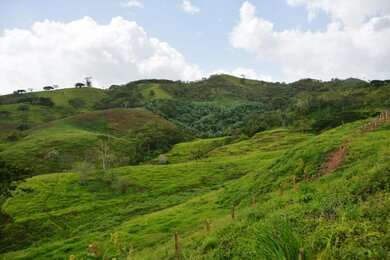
x: 196, y: 149
x: 73, y: 136
x: 341, y: 215
x: 159, y: 93
x: 146, y: 214
x: 61, y: 97
x: 38, y: 114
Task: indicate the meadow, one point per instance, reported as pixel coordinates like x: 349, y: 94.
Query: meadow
x: 144, y: 182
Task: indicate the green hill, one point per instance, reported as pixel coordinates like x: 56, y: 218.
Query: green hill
x: 23, y: 111
x: 236, y: 168
x: 56, y: 146
x: 323, y: 217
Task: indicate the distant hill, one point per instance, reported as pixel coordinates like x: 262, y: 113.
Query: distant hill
x: 239, y: 105
x: 130, y: 134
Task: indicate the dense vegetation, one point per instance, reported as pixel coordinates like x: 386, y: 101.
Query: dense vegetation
x: 222, y: 105
x: 292, y: 171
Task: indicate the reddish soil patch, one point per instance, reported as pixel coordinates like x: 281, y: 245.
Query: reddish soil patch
x: 124, y: 119
x: 335, y: 159
x: 5, y: 219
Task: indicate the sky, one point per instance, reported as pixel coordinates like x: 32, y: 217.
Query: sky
x: 56, y: 42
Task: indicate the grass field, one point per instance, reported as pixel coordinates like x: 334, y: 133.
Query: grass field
x: 148, y: 211
x: 287, y: 204
x: 320, y: 218
x: 61, y: 97
x: 152, y: 91
x: 31, y: 115
x: 70, y: 139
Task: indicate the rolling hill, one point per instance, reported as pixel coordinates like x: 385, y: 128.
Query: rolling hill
x: 321, y: 216
x: 56, y: 146
x: 222, y: 168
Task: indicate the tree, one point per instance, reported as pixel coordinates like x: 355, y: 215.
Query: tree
x: 84, y: 170
x: 48, y: 88
x: 6, y: 114
x: 23, y: 108
x: 76, y: 103
x: 88, y: 82
x: 242, y: 80
x: 45, y: 102
x: 30, y: 89
x: 105, y: 155
x: 10, y: 175
x: 152, y: 93
x: 79, y: 85
x: 126, y: 103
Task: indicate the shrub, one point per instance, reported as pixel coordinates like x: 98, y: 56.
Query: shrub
x: 23, y: 108
x: 45, y: 102
x: 84, y: 170
x: 22, y: 127
x: 163, y: 159
x: 76, y: 103
x: 123, y: 185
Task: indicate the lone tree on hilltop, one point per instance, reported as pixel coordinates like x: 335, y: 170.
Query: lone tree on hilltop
x: 47, y: 88
x: 242, y: 80
x: 79, y: 85
x: 88, y: 82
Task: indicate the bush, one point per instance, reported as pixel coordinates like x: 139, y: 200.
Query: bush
x: 23, y: 108
x: 22, y: 127
x: 84, y: 170
x: 123, y: 185
x: 45, y: 102
x: 10, y: 175
x: 77, y: 103
x: 163, y: 159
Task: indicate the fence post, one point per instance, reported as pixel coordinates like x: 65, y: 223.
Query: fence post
x: 207, y: 225
x: 253, y: 201
x: 177, y: 246
x: 232, y: 213
x: 294, y: 183
x: 305, y: 177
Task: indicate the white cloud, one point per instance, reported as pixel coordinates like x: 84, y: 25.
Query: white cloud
x: 64, y: 53
x: 132, y: 3
x: 341, y: 51
x: 246, y: 72
x: 351, y: 13
x: 189, y: 8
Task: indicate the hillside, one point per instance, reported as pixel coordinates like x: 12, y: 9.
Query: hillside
x: 237, y: 168
x: 223, y: 104
x: 322, y: 217
x: 127, y: 134
x: 24, y: 111
x: 217, y: 106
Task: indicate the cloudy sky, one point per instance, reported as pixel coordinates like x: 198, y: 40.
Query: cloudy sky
x: 46, y: 42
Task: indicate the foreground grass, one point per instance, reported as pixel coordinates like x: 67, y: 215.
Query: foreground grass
x: 340, y: 215
x: 147, y: 211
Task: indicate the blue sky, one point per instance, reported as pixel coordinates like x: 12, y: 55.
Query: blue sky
x: 276, y: 40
